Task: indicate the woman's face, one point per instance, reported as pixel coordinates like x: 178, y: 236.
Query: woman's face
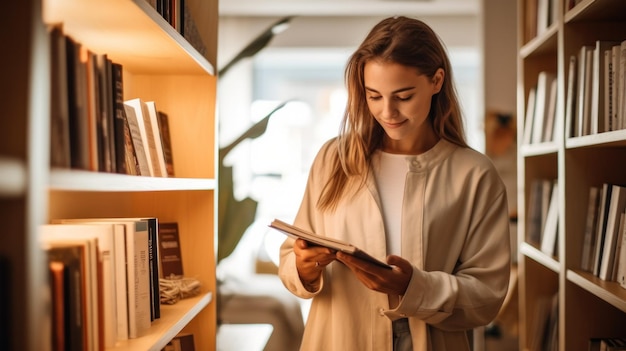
x: 399, y: 97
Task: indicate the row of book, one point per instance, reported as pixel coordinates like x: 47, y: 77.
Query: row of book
x: 595, y: 95
x: 104, y: 278
x: 604, y: 249
x: 542, y: 220
x: 178, y: 15
x: 596, y: 89
x: 540, y: 116
x: 539, y: 15
x: 92, y: 126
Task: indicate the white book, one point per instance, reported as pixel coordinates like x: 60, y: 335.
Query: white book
x: 548, y: 132
x: 137, y: 137
x: 158, y: 158
x: 621, y: 103
x: 583, y: 108
x: 615, y: 56
x: 570, y: 99
x: 550, y: 229
x: 616, y: 207
x: 544, y: 82
x: 137, y: 120
x: 599, y: 77
x: 85, y: 235
x: 621, y: 264
x: 530, y: 114
x: 138, y: 280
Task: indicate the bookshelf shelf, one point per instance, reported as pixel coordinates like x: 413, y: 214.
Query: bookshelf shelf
x: 75, y: 180
x: 539, y: 149
x: 616, y: 138
x: 590, y: 159
x: 608, y: 291
x: 545, y: 43
x: 534, y: 253
x: 173, y: 320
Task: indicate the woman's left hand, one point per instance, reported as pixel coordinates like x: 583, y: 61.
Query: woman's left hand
x: 389, y: 281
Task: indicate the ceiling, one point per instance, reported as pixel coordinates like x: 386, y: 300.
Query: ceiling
x: 348, y: 7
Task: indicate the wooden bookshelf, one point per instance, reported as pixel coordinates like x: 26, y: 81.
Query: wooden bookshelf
x: 589, y: 307
x: 159, y: 65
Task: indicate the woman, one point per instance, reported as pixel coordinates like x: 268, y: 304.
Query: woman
x: 400, y: 182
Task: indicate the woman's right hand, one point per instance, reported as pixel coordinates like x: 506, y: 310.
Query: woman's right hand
x: 310, y: 262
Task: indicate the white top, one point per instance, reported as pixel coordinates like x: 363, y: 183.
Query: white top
x: 390, y: 174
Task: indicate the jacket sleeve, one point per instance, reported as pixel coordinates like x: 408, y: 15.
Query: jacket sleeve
x: 306, y: 219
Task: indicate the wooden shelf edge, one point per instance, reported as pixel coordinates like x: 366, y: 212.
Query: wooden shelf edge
x: 535, y: 254
x: 75, y: 180
x: 173, y: 319
x: 12, y: 177
x: 612, y: 138
x: 538, y: 149
x: 542, y: 43
x: 609, y: 291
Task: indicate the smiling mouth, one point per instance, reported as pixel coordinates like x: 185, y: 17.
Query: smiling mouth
x: 393, y: 124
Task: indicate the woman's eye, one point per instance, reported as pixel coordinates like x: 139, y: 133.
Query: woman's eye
x: 404, y: 98
x: 374, y: 98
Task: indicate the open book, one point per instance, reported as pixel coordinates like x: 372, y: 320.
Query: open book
x: 331, y: 243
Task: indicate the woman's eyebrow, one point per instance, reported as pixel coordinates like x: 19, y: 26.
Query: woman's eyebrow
x: 393, y: 92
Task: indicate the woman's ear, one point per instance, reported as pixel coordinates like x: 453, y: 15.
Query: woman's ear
x: 438, y: 78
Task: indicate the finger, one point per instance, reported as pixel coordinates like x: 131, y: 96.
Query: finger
x: 404, y: 265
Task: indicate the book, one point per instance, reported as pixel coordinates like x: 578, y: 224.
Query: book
x: 599, y: 77
x: 615, y: 74
x: 170, y: 256
x: 618, y: 247
x: 616, y: 207
x: 166, y: 140
x: 530, y: 114
x: 77, y: 116
x: 605, y: 199
x: 570, y: 99
x: 591, y: 225
x: 126, y: 161
x: 583, y: 100
x: 135, y: 125
x: 621, y: 90
x: 66, y: 268
x: 550, y: 118
x: 620, y: 277
x: 542, y: 104
x: 59, y: 109
x: 539, y: 199
x: 154, y: 138
x: 139, y: 280
x: 331, y: 243
x: 550, y: 228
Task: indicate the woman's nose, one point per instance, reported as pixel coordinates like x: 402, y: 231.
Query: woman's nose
x: 389, y: 109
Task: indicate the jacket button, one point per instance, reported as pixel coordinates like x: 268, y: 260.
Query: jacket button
x: 381, y: 311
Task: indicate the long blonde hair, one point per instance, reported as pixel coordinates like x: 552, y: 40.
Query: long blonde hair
x: 408, y: 42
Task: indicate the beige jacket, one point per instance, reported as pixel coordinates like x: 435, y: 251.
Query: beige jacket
x: 455, y: 233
